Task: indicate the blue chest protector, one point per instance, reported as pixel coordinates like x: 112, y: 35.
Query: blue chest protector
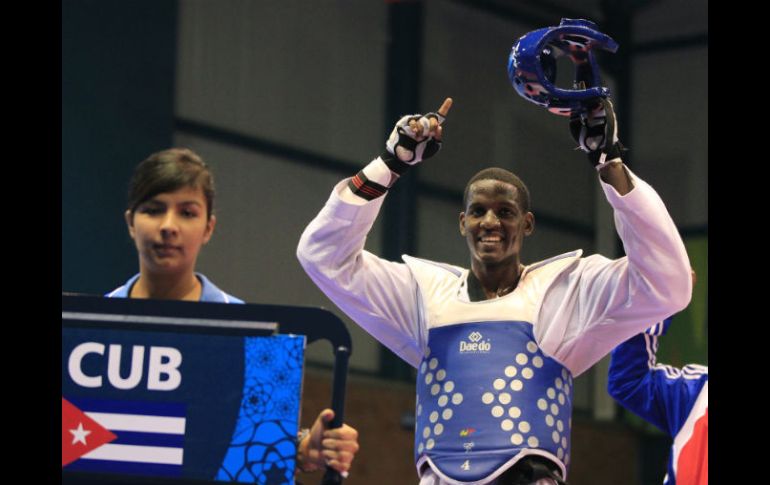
x: 488, y: 396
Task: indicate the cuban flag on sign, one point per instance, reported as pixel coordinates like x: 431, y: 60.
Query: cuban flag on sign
x: 141, y: 438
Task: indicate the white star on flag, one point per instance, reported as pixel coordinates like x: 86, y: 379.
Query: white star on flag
x: 79, y: 434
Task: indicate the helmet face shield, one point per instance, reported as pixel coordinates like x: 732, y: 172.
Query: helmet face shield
x: 532, y: 65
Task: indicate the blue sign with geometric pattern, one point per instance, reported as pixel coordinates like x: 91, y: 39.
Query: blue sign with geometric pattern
x: 190, y: 404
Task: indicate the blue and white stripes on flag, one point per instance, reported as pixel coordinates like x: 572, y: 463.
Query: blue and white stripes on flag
x: 150, y: 437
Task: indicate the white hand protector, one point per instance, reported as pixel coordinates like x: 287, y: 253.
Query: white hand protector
x: 596, y: 133
x: 413, y: 139
x: 410, y: 143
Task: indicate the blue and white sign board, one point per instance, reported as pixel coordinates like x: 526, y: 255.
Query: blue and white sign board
x: 157, y: 392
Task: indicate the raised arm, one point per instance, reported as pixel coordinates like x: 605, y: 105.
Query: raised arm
x: 379, y: 295
x: 603, y: 302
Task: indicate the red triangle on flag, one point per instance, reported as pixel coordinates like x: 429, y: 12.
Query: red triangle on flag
x: 79, y: 433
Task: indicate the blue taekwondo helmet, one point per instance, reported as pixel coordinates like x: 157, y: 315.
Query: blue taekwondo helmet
x: 532, y: 65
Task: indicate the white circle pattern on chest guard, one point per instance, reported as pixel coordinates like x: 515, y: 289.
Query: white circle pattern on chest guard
x: 487, y: 386
x: 558, y: 399
x: 444, y: 396
x: 550, y: 403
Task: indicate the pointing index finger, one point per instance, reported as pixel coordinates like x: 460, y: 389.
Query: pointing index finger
x: 444, y: 109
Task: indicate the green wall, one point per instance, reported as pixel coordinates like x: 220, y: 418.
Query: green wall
x: 118, y: 64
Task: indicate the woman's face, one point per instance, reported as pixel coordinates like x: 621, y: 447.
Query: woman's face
x: 169, y: 230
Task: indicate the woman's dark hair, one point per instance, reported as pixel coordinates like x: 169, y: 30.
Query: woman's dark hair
x: 167, y: 171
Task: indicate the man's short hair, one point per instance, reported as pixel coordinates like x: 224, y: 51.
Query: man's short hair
x: 503, y: 175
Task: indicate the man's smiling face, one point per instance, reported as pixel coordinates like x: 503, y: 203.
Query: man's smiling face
x: 494, y: 223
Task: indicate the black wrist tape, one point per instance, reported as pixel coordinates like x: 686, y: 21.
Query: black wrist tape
x: 365, y: 188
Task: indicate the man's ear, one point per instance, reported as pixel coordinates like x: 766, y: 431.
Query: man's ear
x: 212, y: 222
x: 462, y: 223
x: 129, y: 217
x: 529, y: 223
